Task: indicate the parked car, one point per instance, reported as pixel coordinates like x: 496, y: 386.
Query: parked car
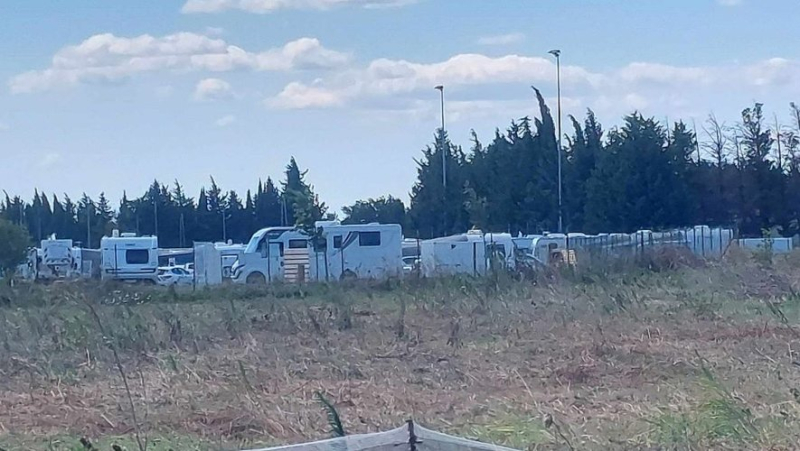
x: 174, y: 275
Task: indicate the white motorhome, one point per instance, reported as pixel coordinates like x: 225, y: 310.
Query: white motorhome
x: 363, y: 251
x: 129, y: 257
x: 262, y: 261
x: 368, y: 251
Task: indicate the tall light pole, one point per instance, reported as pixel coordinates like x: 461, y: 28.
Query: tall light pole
x: 224, y: 227
x: 155, y: 214
x: 557, y: 54
x: 440, y: 88
x: 88, y: 225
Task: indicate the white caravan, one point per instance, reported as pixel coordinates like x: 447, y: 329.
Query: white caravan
x: 262, y: 261
x: 54, y: 259
x: 473, y: 253
x: 362, y: 251
x: 129, y: 257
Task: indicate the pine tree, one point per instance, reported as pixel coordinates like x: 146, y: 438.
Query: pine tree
x: 86, y: 215
x: 236, y: 223
x: 301, y: 205
x: 761, y: 178
x: 202, y: 219
x: 104, y: 221
x: 127, y: 217
x: 582, y: 153
x: 268, y: 206
x: 384, y: 210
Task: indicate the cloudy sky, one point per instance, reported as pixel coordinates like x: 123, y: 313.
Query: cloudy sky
x: 106, y: 96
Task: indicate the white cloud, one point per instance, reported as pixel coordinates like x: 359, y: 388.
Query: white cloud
x: 49, y: 159
x: 662, y: 73
x: 215, y: 31
x: 404, y: 89
x: 109, y: 58
x: 270, y: 6
x: 212, y: 89
x: 774, y: 71
x: 502, y: 39
x: 730, y: 2
x: 297, y: 95
x: 388, y: 78
x: 225, y: 121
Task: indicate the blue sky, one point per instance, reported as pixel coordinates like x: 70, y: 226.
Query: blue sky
x: 107, y: 96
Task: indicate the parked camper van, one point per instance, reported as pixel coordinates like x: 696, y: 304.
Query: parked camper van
x: 54, y: 259
x: 363, y: 251
x: 368, y: 251
x: 129, y: 257
x: 472, y: 253
x: 263, y: 259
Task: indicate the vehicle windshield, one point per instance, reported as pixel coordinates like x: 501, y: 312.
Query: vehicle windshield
x: 252, y: 246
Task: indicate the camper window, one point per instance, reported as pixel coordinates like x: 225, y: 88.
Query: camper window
x: 137, y: 256
x: 298, y: 244
x: 337, y: 242
x: 320, y: 244
x: 369, y: 239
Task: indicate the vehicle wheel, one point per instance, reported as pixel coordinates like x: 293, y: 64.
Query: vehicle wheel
x: 256, y: 278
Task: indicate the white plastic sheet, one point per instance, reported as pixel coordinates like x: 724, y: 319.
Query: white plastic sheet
x: 409, y: 437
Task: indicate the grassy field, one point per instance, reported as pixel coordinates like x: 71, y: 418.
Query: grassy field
x: 701, y: 356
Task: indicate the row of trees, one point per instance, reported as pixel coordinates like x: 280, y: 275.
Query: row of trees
x: 170, y: 213
x: 640, y: 175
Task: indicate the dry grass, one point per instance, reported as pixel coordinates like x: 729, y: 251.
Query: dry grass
x: 691, y: 358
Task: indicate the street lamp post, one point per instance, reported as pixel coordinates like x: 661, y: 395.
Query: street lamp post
x: 442, y: 143
x: 155, y: 214
x: 224, y: 226
x: 557, y: 54
x: 440, y: 88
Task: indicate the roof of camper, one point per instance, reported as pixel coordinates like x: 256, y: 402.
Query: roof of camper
x: 473, y: 235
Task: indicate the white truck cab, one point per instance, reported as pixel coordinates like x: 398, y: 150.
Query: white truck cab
x: 263, y: 259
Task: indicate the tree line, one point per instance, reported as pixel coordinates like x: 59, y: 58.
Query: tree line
x: 642, y: 174
x: 170, y: 213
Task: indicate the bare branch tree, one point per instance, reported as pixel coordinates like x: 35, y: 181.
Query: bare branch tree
x: 718, y: 141
x: 779, y: 140
x: 718, y: 148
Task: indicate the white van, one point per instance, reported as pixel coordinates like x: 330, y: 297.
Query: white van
x: 129, y: 257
